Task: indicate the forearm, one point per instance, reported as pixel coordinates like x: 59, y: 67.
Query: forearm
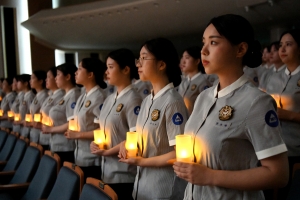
x: 158, y: 161
x: 60, y: 129
x: 112, y: 151
x: 288, y: 115
x: 85, y: 135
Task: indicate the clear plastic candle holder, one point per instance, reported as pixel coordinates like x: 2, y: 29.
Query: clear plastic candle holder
x: 183, y: 148
x: 99, y: 138
x: 131, y: 143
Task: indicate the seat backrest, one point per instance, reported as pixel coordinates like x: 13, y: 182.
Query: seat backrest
x: 16, y: 134
x: 28, y: 165
x: 8, y: 147
x: 68, y: 184
x: 16, y: 156
x: 25, y: 139
x: 95, y: 189
x: 3, y: 136
x: 44, y: 179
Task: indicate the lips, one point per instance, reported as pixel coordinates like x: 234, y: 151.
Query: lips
x: 205, y: 62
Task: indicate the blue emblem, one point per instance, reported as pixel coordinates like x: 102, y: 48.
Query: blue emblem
x: 136, y: 110
x: 146, y: 91
x: 177, y: 119
x: 255, y: 79
x: 100, y: 107
x: 205, y: 87
x: 73, y: 105
x: 111, y: 90
x: 271, y: 118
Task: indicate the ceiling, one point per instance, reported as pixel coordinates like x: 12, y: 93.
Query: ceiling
x: 106, y: 25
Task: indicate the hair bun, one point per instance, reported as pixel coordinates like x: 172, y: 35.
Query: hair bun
x: 253, y: 57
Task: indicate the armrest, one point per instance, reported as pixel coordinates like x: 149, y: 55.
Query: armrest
x: 14, y: 186
x: 3, y: 162
x: 9, y: 173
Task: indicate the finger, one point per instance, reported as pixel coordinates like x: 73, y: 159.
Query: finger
x: 171, y: 161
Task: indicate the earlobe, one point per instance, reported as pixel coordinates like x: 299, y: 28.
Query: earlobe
x: 126, y: 70
x: 162, y: 65
x: 242, y: 49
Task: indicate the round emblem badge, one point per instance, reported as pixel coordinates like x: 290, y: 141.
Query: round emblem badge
x: 226, y: 113
x: 88, y: 103
x: 155, y: 115
x: 193, y: 87
x: 119, y: 107
x: 35, y: 101
x: 24, y: 103
x: 50, y: 100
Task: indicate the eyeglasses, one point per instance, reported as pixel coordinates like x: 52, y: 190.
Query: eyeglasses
x: 141, y: 59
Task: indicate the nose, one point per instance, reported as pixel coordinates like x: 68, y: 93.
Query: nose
x: 204, y: 50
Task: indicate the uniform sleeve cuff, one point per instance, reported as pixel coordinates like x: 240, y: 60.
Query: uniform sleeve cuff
x: 271, y: 151
x: 96, y: 121
x: 132, y: 129
x: 172, y: 142
x: 71, y: 117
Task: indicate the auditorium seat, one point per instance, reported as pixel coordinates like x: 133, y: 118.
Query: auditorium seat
x: 3, y: 136
x: 95, y: 189
x: 7, y: 148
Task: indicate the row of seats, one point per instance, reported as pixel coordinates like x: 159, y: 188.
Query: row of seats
x: 28, y: 174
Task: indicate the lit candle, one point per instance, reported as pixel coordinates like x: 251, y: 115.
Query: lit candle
x: 183, y: 148
x: 10, y: 113
x: 17, y: 117
x: 1, y: 113
x: 72, y: 125
x: 28, y: 118
x: 131, y: 144
x: 46, y: 120
x: 37, y: 117
x: 99, y: 138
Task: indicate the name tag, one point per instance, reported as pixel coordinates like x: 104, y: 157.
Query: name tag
x: 223, y: 125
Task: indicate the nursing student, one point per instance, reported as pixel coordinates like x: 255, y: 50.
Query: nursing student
x: 195, y: 81
x: 285, y: 88
x: 118, y: 116
x: 235, y: 125
x: 38, y: 83
x: 86, y: 114
x: 6, y: 103
x: 162, y: 116
x: 15, y: 106
x: 24, y: 85
x: 61, y: 111
x: 55, y: 94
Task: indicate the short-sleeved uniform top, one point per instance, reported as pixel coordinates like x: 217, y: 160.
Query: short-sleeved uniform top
x: 48, y: 104
x: 265, y: 77
x: 118, y: 116
x: 110, y: 89
x: 251, y: 73
x: 35, y: 108
x: 161, y: 118
x: 143, y: 88
x: 238, y: 142
x: 15, y: 108
x: 60, y: 113
x: 190, y: 88
x: 25, y: 109
x: 6, y: 105
x: 86, y: 112
x: 285, y: 89
x: 262, y: 70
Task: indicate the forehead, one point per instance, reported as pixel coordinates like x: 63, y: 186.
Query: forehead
x: 144, y: 51
x: 287, y: 37
x: 110, y: 61
x: 210, y: 31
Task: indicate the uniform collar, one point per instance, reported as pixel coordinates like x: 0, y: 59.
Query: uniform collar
x: 40, y: 92
x: 294, y: 72
x: 279, y: 69
x: 9, y: 94
x: 238, y: 83
x: 92, y: 90
x: 56, y: 91
x: 27, y: 93
x: 69, y: 92
x: 137, y: 81
x: 194, y: 77
x: 21, y: 93
x: 124, y: 91
x: 268, y: 67
x: 170, y: 85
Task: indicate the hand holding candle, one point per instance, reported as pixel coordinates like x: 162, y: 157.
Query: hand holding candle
x: 10, y: 113
x: 1, y: 113
x: 28, y: 118
x: 131, y: 144
x: 37, y: 117
x: 99, y: 138
x: 73, y: 125
x: 17, y: 117
x: 183, y: 148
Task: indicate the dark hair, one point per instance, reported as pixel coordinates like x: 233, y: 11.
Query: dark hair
x: 9, y: 80
x: 41, y: 75
x: 295, y: 33
x: 194, y: 51
x: 165, y: 51
x: 53, y: 71
x: 68, y: 68
x: 125, y: 57
x: 24, y: 78
x: 97, y: 67
x: 275, y: 44
x: 1, y: 79
x: 237, y: 29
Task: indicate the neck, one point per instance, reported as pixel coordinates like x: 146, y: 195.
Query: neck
x: 193, y: 73
x: 89, y: 86
x: 68, y: 87
x: 278, y: 65
x: 38, y: 90
x: 26, y: 90
x: 54, y: 89
x: 123, y: 86
x: 159, y: 84
x: 227, y: 79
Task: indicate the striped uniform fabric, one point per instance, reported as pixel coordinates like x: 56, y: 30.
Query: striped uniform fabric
x: 190, y: 88
x: 232, y: 140
x: 6, y: 105
x: 267, y: 75
x: 161, y: 118
x: 285, y: 88
x: 86, y: 111
x: 143, y: 88
x: 24, y: 109
x: 118, y: 116
x: 251, y: 73
x: 15, y: 108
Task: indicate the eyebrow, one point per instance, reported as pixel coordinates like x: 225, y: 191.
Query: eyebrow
x: 212, y: 36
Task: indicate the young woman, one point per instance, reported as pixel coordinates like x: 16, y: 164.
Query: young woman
x: 37, y: 82
x: 118, y: 116
x: 235, y: 126
x: 55, y: 94
x: 24, y: 85
x: 86, y: 113
x: 195, y: 81
x: 61, y: 111
x: 277, y: 64
x: 285, y: 88
x: 162, y: 116
x: 16, y: 105
x: 6, y: 103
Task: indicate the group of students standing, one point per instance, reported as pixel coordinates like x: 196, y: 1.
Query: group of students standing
x: 240, y: 138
